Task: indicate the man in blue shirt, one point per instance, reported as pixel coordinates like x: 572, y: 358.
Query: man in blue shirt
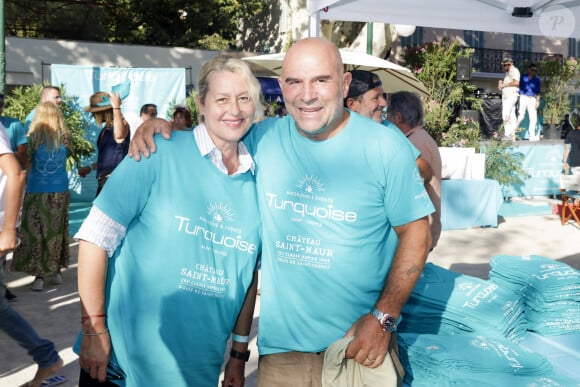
x: 529, y: 101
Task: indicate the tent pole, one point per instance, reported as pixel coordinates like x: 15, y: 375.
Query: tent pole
x: 370, y: 38
x: 314, y: 25
x: 2, y: 51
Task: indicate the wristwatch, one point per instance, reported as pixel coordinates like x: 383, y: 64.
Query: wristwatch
x: 388, y: 322
x: 245, y: 356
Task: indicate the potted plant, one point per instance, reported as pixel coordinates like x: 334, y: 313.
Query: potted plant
x: 559, y: 79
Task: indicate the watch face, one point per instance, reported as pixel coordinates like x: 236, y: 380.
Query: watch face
x: 388, y: 322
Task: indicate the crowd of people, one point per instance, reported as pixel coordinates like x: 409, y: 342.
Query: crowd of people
x: 338, y: 196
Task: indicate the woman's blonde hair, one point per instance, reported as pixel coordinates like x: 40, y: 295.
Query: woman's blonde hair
x: 237, y: 66
x: 48, y: 127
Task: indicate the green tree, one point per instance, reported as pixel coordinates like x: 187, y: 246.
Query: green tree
x: 79, y: 20
x: 186, y: 23
x: 23, y: 99
x: 559, y: 81
x: 505, y: 164
x: 434, y: 64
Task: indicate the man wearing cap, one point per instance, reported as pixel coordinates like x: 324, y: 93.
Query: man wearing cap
x: 367, y: 98
x: 509, y: 96
x: 365, y: 95
x: 530, y: 101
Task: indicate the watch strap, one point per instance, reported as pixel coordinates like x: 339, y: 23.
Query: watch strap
x: 245, y: 356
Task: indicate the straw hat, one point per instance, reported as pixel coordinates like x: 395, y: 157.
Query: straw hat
x: 99, y: 102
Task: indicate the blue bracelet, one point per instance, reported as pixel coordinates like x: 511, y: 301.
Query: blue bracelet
x: 240, y: 339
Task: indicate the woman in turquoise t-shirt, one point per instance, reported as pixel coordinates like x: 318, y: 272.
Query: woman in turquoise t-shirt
x: 167, y: 255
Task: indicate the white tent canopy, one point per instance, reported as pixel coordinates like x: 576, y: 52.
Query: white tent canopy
x: 551, y: 18
x: 394, y: 77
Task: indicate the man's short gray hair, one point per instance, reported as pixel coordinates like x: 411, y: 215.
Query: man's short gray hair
x: 409, y: 105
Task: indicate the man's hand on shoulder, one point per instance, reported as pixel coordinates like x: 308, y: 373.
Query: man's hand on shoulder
x: 143, y: 142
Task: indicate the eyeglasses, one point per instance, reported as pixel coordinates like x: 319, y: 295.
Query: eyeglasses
x: 533, y: 70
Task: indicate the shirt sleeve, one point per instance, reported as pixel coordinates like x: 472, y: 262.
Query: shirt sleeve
x: 102, y: 231
x: 4, y: 141
x: 406, y: 199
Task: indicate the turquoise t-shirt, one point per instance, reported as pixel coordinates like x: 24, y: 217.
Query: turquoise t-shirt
x: 48, y: 170
x: 28, y: 120
x: 178, y: 280
x: 15, y: 131
x: 397, y: 132
x: 328, y: 209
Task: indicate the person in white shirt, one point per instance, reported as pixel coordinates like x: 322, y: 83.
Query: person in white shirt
x: 509, y: 97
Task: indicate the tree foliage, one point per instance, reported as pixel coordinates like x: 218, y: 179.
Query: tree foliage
x: 185, y: 23
x: 434, y: 64
x: 559, y: 81
x: 23, y: 99
x: 505, y: 164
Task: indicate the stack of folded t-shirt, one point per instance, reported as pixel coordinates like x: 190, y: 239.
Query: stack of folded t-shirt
x: 550, y: 290
x: 445, y: 302
x: 473, y: 359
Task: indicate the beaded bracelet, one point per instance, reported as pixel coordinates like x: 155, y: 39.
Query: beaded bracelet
x: 96, y: 333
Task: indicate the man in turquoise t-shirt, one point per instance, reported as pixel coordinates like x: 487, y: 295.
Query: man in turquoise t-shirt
x: 344, y: 211
x: 367, y: 98
x: 344, y: 215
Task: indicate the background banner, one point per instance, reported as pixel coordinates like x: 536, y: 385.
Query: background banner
x: 543, y: 161
x: 160, y: 86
